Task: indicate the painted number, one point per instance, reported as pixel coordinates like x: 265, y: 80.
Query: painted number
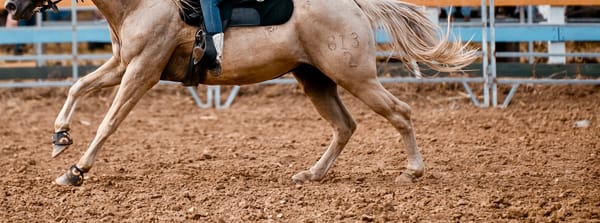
x: 343, y: 41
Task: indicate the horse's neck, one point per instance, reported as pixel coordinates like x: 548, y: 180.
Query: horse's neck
x: 115, y: 10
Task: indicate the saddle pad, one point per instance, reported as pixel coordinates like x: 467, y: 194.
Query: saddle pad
x: 243, y: 12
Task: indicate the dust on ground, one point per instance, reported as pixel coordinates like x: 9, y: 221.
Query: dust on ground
x: 171, y: 161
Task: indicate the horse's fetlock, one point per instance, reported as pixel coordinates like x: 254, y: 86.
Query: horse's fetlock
x: 61, y: 127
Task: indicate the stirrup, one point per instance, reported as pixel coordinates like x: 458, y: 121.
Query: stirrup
x: 199, y: 46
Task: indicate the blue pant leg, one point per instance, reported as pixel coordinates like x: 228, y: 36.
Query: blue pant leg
x: 212, y: 16
x: 465, y: 11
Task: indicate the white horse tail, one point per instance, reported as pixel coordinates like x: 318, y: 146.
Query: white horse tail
x: 415, y: 37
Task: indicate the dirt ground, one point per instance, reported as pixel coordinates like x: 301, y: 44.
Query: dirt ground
x: 173, y: 162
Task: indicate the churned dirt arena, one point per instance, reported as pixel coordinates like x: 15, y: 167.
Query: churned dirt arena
x: 536, y: 161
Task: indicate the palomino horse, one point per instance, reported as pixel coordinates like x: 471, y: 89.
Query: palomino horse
x: 326, y: 44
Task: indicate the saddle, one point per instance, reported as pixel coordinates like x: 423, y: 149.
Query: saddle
x: 234, y: 13
x: 243, y: 12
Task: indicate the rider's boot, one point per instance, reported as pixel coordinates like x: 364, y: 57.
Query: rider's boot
x: 218, y: 42
x: 209, y: 47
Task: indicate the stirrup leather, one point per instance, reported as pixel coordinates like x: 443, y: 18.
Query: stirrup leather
x: 199, y: 46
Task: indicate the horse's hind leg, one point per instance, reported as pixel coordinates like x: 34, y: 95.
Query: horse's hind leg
x: 322, y: 92
x: 109, y: 74
x: 398, y: 113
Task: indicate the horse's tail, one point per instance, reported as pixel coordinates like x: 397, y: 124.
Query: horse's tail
x: 415, y: 37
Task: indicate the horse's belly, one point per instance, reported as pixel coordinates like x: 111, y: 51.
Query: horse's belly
x: 249, y: 75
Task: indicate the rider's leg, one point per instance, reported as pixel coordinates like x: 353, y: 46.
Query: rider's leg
x: 214, y: 28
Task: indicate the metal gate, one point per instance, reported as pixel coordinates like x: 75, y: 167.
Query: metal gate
x: 486, y: 31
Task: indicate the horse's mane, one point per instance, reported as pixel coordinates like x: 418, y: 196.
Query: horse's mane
x: 184, y: 4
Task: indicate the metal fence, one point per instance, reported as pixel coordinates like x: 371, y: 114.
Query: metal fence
x: 486, y: 31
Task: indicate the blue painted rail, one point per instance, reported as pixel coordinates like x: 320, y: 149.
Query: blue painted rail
x: 25, y: 35
x: 475, y: 32
x: 522, y: 33
x: 504, y: 33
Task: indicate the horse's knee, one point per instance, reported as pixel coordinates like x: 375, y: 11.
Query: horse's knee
x: 75, y: 89
x: 62, y: 120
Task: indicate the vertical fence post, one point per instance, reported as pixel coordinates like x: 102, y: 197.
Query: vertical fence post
x: 557, y: 16
x: 38, y: 46
x: 74, y: 42
x: 485, y: 59
x: 492, y: 25
x: 530, y: 49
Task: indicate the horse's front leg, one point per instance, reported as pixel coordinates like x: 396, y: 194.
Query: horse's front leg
x: 107, y: 75
x: 137, y: 80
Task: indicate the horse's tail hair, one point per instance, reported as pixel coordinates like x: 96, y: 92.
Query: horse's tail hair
x: 415, y: 37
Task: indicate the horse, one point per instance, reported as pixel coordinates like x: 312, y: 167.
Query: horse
x: 325, y: 45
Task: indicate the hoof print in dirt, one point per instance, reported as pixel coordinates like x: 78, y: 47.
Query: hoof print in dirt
x: 405, y: 178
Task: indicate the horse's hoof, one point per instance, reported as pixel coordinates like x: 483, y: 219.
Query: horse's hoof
x: 73, y: 177
x: 406, y: 178
x: 60, y: 142
x: 58, y: 149
x: 302, y: 177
